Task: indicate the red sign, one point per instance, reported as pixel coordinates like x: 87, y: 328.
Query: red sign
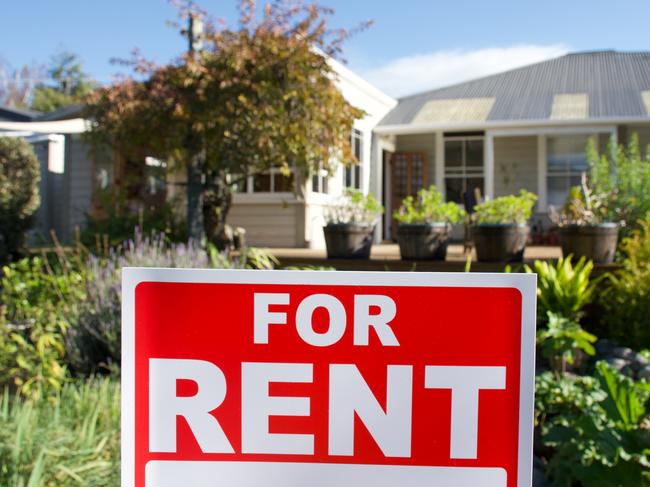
x: 278, y: 378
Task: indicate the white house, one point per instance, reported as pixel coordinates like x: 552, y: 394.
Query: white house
x: 524, y: 128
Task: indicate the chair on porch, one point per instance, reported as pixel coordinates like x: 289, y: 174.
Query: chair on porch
x: 470, y: 198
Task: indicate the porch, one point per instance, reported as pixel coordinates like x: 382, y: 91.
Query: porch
x: 385, y: 257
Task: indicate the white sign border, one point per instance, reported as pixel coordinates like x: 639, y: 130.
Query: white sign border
x: 526, y: 284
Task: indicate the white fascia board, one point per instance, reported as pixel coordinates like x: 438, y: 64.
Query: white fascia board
x: 404, y: 129
x: 72, y: 126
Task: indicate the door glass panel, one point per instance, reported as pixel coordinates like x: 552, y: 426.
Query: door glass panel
x: 454, y: 189
x: 474, y: 153
x: 453, y: 153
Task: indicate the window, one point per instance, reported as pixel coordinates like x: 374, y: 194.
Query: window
x: 464, y: 170
x: 319, y: 180
x: 566, y: 160
x: 272, y: 181
x: 352, y: 174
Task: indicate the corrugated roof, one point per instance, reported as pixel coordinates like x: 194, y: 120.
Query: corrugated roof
x: 610, y: 84
x: 12, y: 114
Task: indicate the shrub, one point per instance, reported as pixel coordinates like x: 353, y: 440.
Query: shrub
x: 564, y: 288
x: 93, y: 341
x: 19, y: 198
x: 38, y: 305
x: 626, y: 301
x: 506, y: 210
x: 597, y: 429
x: 428, y: 207
x: 583, y: 206
x: 70, y: 440
x: 354, y: 207
x: 561, y: 339
x: 625, y: 178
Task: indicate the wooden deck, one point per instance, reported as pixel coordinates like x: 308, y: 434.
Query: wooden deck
x: 385, y: 257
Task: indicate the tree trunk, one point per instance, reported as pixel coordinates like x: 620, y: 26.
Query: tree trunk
x: 194, y: 191
x: 217, y: 200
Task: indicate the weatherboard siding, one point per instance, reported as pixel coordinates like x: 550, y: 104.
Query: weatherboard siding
x: 515, y: 165
x: 269, y: 224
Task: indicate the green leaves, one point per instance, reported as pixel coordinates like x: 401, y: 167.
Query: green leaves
x: 626, y: 400
x: 561, y: 338
x: 505, y: 210
x: 564, y: 288
x: 428, y: 207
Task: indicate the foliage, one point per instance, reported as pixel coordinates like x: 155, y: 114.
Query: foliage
x: 600, y: 435
x: 115, y: 219
x: 19, y: 198
x: 37, y: 308
x: 428, y: 207
x: 93, y: 341
x: 70, y: 84
x: 625, y: 178
x: 17, y: 83
x: 505, y: 210
x: 560, y: 340
x: 564, y: 288
x: 354, y: 207
x: 626, y: 300
x: 257, y: 97
x: 583, y: 206
x: 71, y: 440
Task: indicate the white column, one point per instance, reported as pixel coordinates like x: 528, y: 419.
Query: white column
x: 488, y: 164
x: 440, y: 162
x: 542, y: 202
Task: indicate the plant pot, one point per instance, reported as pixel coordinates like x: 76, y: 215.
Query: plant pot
x: 500, y: 243
x: 348, y: 240
x: 595, y: 242
x: 423, y: 241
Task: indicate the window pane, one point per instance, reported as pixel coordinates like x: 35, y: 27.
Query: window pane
x: 357, y: 176
x: 558, y: 189
x: 453, y: 153
x: 324, y: 182
x: 567, y: 153
x: 283, y: 184
x: 454, y: 189
x: 262, y: 183
x: 474, y: 153
x: 347, y: 177
x: 314, y: 183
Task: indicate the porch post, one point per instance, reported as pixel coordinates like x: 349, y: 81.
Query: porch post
x: 488, y: 163
x: 440, y: 162
x: 542, y: 201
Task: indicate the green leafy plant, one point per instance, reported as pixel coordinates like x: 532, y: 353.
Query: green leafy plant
x: 626, y: 299
x: 505, y: 210
x: 606, y: 441
x: 19, y: 198
x: 584, y: 206
x: 561, y: 339
x: 354, y: 207
x: 623, y: 175
x: 564, y: 288
x: 428, y: 207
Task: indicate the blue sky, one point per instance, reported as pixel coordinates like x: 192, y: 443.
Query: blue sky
x: 413, y: 45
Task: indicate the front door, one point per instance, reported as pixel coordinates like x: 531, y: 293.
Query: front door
x: 409, y: 174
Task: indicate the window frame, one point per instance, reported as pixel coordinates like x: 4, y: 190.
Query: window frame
x: 462, y: 172
x: 355, y: 171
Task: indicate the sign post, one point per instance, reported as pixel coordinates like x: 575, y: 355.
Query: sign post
x: 298, y: 378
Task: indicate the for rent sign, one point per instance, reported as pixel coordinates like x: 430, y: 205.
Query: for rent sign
x: 293, y: 379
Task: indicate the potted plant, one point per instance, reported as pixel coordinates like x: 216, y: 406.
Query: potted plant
x: 583, y: 225
x: 424, y: 225
x: 500, y: 227
x: 350, y: 225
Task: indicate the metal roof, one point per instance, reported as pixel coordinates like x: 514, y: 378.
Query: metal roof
x: 12, y: 114
x: 579, y: 86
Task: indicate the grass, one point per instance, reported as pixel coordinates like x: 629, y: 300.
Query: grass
x: 72, y: 439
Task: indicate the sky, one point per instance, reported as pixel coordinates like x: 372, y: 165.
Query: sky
x: 413, y: 46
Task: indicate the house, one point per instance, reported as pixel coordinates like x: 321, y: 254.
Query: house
x: 524, y: 128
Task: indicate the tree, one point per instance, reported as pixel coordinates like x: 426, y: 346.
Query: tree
x: 256, y: 97
x: 19, y: 198
x: 17, y: 84
x: 69, y: 84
